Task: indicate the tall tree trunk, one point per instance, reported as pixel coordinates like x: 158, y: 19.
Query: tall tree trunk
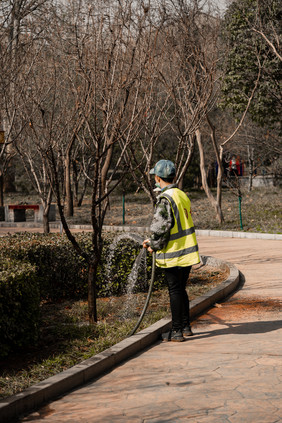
x: 46, y: 225
x: 251, y: 167
x: 219, y: 158
x: 1, y: 190
x: 207, y: 190
x: 69, y: 197
x: 92, y: 291
x: 78, y: 198
x: 187, y: 162
x: 75, y: 183
x: 46, y: 209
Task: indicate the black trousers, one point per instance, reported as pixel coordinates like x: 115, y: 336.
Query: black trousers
x: 176, y: 278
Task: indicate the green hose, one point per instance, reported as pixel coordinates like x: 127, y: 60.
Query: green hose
x: 148, y: 295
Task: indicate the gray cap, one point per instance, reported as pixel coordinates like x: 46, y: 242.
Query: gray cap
x: 164, y: 169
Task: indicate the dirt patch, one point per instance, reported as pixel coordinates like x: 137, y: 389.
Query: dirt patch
x: 257, y: 304
x: 236, y: 309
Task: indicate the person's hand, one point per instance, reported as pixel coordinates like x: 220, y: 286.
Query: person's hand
x: 146, y: 244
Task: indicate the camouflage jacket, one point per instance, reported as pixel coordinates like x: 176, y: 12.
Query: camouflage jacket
x: 163, y: 221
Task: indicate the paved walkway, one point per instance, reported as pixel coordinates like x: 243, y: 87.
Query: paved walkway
x: 229, y: 372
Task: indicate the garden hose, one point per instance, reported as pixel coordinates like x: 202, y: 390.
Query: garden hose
x: 148, y: 295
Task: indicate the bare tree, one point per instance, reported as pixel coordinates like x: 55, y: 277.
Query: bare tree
x: 191, y: 78
x: 51, y: 117
x: 15, y: 42
x: 108, y: 61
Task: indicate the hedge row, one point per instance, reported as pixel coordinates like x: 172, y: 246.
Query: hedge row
x: 62, y: 273
x: 19, y: 305
x: 38, y: 267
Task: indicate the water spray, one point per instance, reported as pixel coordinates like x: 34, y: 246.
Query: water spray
x: 139, y: 240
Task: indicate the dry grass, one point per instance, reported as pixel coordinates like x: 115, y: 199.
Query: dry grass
x: 261, y: 210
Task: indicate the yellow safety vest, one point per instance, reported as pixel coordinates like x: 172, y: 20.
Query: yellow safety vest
x: 182, y: 247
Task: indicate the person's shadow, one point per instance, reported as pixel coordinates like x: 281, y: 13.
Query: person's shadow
x: 242, y: 328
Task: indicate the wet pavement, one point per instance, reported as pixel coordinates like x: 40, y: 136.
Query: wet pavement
x: 229, y: 372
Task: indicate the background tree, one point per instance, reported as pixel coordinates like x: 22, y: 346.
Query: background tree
x: 191, y: 78
x: 15, y: 42
x: 52, y: 119
x: 248, y: 50
x: 266, y: 24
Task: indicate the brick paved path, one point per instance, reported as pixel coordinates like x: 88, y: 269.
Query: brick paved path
x: 229, y: 372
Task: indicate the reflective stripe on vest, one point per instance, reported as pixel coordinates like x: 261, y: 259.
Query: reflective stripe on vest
x: 183, y: 250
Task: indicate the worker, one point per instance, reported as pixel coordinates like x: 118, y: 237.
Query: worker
x: 174, y: 241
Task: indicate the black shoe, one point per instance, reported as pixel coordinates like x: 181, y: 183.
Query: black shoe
x: 187, y: 331
x: 173, y: 336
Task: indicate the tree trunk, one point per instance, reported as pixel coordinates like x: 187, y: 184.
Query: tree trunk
x: 69, y: 198
x: 46, y: 208
x: 79, y: 202
x: 78, y: 198
x: 1, y: 190
x: 186, y: 164
x: 46, y: 225
x: 220, y: 173
x: 251, y: 167
x: 92, y: 291
x: 219, y: 158
x: 75, y: 183
x: 207, y: 190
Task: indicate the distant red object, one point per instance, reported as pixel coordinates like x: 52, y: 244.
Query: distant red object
x: 23, y: 207
x: 16, y: 212
x: 234, y: 165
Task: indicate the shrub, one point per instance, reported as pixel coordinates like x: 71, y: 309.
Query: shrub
x: 125, y: 255
x: 113, y: 274
x: 62, y: 274
x: 19, y: 305
x: 60, y: 271
x: 46, y: 267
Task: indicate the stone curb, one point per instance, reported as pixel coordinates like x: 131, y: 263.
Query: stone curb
x: 36, y: 395
x: 234, y: 234
x: 203, y: 232
x: 144, y: 229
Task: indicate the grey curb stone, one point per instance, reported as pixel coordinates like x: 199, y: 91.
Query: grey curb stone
x: 203, y: 232
x: 36, y: 395
x: 143, y: 229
